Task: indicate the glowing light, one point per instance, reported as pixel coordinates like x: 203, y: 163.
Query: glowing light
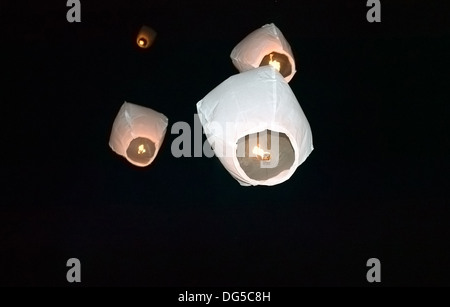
x: 275, y: 63
x: 260, y: 153
x: 141, y: 149
x: 142, y: 42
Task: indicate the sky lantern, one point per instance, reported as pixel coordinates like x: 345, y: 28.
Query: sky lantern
x: 265, y: 46
x: 145, y: 37
x: 137, y: 133
x: 256, y: 127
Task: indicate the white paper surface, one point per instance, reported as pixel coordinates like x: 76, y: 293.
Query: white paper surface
x: 247, y: 103
x: 134, y: 121
x: 249, y: 53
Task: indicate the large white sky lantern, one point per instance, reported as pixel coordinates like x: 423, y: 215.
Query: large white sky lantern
x: 256, y: 127
x: 137, y: 133
x: 265, y: 46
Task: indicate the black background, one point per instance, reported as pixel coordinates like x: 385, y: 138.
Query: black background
x: 375, y: 185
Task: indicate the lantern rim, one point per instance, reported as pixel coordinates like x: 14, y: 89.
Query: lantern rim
x: 282, y: 52
x: 283, y: 175
x: 148, y: 150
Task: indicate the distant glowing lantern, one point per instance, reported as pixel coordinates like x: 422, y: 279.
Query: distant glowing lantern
x: 256, y: 127
x: 145, y: 37
x: 265, y: 46
x: 137, y: 133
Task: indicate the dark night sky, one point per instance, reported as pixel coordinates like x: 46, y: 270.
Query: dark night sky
x: 376, y: 184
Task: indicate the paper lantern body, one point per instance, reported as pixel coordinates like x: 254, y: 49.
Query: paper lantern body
x: 145, y: 37
x: 252, y: 102
x: 265, y: 46
x: 137, y: 133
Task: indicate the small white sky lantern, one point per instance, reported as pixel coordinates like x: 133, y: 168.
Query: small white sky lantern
x: 145, y: 37
x: 265, y: 46
x: 137, y: 133
x: 256, y: 127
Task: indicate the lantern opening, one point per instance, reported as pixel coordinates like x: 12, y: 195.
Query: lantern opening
x: 142, y: 42
x: 265, y: 160
x: 279, y: 61
x: 141, y: 150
